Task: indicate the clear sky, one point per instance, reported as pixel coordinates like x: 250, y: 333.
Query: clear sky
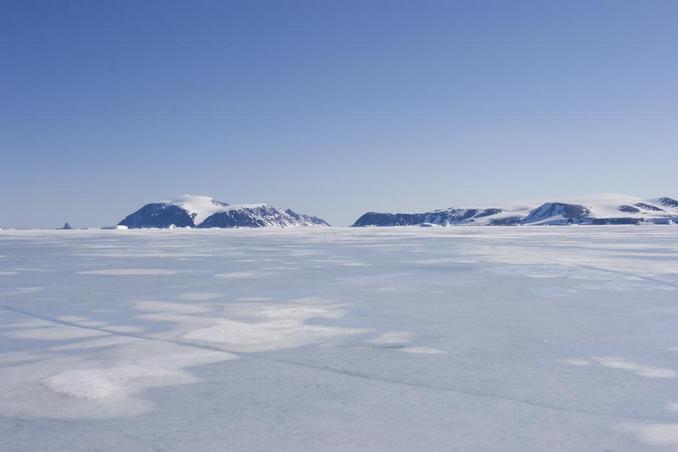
x: 332, y: 108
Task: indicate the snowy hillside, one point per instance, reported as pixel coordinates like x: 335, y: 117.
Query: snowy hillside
x: 206, y: 212
x: 594, y: 210
x: 199, y: 207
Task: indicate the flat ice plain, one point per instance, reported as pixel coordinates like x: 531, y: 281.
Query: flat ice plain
x: 441, y: 339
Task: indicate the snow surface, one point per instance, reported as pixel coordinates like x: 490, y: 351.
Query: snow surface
x: 399, y: 339
x: 200, y: 207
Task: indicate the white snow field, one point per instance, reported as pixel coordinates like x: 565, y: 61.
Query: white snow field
x: 420, y: 339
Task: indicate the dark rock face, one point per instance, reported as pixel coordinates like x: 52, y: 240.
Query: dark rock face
x: 158, y: 215
x: 668, y: 202
x: 570, y: 213
x: 259, y: 216
x: 644, y: 206
x: 232, y: 219
x: 488, y: 212
x: 256, y: 217
x: 438, y: 217
x: 300, y: 217
x: 66, y: 227
x: 508, y: 221
x: 628, y: 209
x: 386, y: 219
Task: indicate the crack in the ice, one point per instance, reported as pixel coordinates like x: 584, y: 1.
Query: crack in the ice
x: 343, y: 372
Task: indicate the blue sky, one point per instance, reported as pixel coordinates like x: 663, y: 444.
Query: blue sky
x: 332, y: 108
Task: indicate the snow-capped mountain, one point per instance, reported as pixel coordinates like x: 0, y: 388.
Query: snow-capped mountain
x: 593, y: 210
x: 205, y: 212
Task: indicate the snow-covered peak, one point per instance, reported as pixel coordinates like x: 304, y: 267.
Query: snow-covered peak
x: 205, y: 212
x: 594, y: 209
x: 244, y: 206
x: 616, y: 205
x: 604, y: 205
x: 670, y: 203
x: 199, y: 207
